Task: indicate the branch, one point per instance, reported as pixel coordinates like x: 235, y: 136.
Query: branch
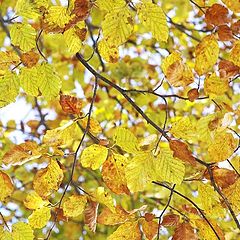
x: 193, y: 203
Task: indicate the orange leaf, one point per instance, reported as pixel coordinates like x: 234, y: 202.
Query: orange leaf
x: 225, y: 33
x: 193, y: 94
x: 150, y: 229
x: 6, y: 186
x: 184, y: 231
x: 149, y: 217
x: 29, y: 59
x: 90, y: 215
x: 170, y: 220
x: 236, y: 27
x: 216, y: 15
x: 22, y: 153
x: 70, y: 104
x: 228, y: 69
x: 181, y: 151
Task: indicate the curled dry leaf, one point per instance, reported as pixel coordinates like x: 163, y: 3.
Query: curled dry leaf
x: 90, y: 215
x: 70, y: 104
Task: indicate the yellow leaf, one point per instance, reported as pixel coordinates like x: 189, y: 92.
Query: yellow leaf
x: 168, y: 168
x: 48, y: 179
x: 22, y: 153
x: 113, y: 173
x: 126, y: 140
x: 183, y: 128
x: 222, y: 146
x: 5, y: 235
x: 94, y: 156
x: 9, y: 88
x: 109, y: 5
x: 74, y: 205
x: 140, y: 171
x: 40, y: 217
x: 49, y: 81
x: 7, y: 58
x: 94, y: 125
x: 57, y: 16
x: 117, y: 26
x: 22, y: 231
x: 72, y: 40
x: 169, y: 60
x: 233, y: 5
x: 232, y: 193
x: 153, y: 19
x: 62, y: 136
x: 27, y: 9
x: 234, y: 54
x: 101, y: 196
x: 206, y: 54
x: 214, y: 85
x: 126, y: 231
x: 109, y: 53
x: 23, y: 35
x: 6, y: 186
x: 34, y: 201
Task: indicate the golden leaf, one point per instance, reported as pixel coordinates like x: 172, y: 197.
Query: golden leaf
x: 7, y: 187
x: 40, y: 217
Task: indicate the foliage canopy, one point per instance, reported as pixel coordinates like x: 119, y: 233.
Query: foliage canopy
x: 133, y: 128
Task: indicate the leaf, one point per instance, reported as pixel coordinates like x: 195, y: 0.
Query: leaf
x: 170, y: 220
x: 126, y: 140
x: 181, y: 151
x: 184, y: 231
x: 113, y: 173
x: 34, y: 201
x: 9, y: 88
x: 148, y: 142
x: 7, y: 59
x: 62, y: 136
x: 206, y: 54
x: 93, y: 156
x: 232, y: 194
x: 71, y: 104
x: 234, y: 54
x: 103, y: 197
x: 74, y: 205
x: 81, y: 9
x: 39, y: 217
x: 222, y: 146
x: 7, y: 187
x: 227, y: 69
x: 150, y: 228
x: 126, y: 231
x: 22, y: 231
x: 232, y: 5
x: 214, y: 85
x: 57, y: 16
x: 117, y: 26
x: 169, y: 60
x: 216, y: 15
x: 48, y: 179
x: 109, y: 53
x: 94, y: 125
x: 72, y: 40
x: 140, y: 171
x: 49, y: 83
x: 153, y: 19
x: 90, y: 215
x: 168, y: 168
x: 225, y: 33
x: 29, y: 59
x: 109, y: 5
x: 22, y: 153
x: 23, y: 35
x: 183, y: 128
x: 120, y: 215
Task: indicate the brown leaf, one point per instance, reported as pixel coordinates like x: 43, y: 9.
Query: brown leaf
x: 22, y: 153
x: 225, y: 33
x: 90, y: 215
x: 189, y: 209
x: 70, y: 104
x: 170, y: 220
x: 29, y: 59
x: 193, y: 94
x: 216, y: 15
x: 236, y: 27
x: 184, y: 232
x: 228, y: 69
x: 81, y: 9
x: 150, y: 228
x: 149, y: 217
x: 181, y: 151
x: 223, y: 176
